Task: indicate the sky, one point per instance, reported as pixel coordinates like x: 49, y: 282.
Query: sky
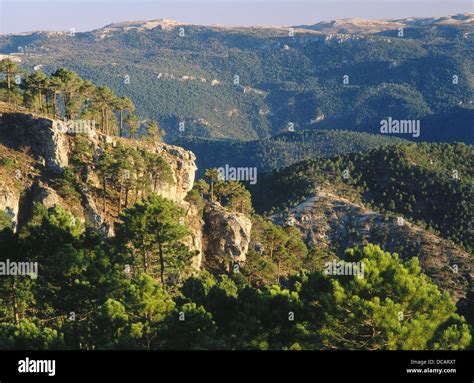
x: 84, y: 15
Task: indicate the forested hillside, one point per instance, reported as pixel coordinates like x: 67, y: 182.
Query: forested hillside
x: 280, y: 151
x: 427, y: 183
x: 118, y: 230
x: 143, y: 283
x: 250, y: 83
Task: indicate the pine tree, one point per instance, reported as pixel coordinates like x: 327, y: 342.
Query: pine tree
x: 37, y: 85
x: 10, y: 69
x: 104, y: 101
x: 132, y: 123
x: 153, y: 229
x: 70, y: 92
x: 123, y: 104
x: 154, y: 132
x: 212, y: 176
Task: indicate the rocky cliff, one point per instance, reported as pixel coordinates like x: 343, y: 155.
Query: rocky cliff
x: 331, y: 221
x: 41, y: 136
x: 36, y: 152
x: 227, y: 237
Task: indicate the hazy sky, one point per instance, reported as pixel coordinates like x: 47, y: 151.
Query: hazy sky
x: 83, y: 15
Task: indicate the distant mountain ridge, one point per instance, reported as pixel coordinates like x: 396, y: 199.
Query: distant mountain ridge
x: 249, y: 83
x: 355, y: 25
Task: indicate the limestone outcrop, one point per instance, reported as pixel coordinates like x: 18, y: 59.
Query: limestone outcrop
x: 226, y: 236
x: 42, y: 136
x: 9, y: 203
x: 217, y: 234
x: 331, y: 221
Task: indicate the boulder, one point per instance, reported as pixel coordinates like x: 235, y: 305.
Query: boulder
x: 226, y: 236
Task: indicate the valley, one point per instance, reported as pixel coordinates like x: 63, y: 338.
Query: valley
x: 250, y: 83
x: 208, y: 187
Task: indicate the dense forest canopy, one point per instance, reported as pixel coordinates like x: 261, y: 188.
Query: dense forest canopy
x: 250, y: 83
x: 427, y: 183
x: 304, y: 111
x: 88, y: 297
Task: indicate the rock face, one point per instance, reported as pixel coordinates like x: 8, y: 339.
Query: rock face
x: 45, y: 139
x: 9, y: 203
x: 183, y: 165
x: 195, y: 241
x: 39, y: 135
x: 45, y: 195
x: 226, y: 236
x: 92, y: 214
x: 219, y: 236
x: 329, y: 220
x: 181, y: 162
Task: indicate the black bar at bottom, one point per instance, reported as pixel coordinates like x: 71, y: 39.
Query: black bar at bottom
x: 137, y: 366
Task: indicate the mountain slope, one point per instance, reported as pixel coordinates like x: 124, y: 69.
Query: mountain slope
x: 432, y: 183
x: 280, y: 151
x: 332, y: 222
x: 413, y: 199
x: 250, y: 83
